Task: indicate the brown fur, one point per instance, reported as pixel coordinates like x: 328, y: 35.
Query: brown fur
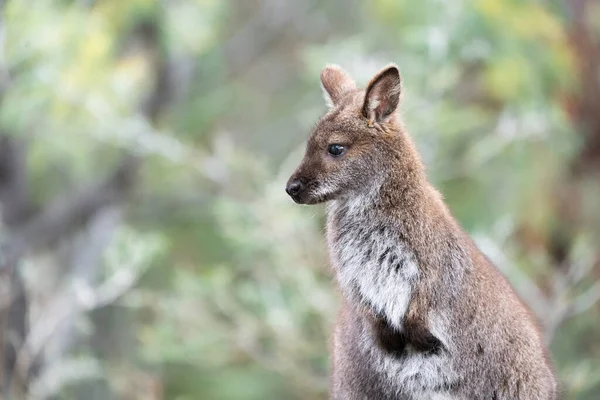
x: 490, y: 340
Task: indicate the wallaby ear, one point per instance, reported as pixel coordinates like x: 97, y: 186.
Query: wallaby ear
x: 382, y: 95
x: 336, y: 83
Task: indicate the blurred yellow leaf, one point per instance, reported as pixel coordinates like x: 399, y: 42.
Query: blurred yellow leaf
x: 507, y: 77
x: 526, y: 20
x: 131, y: 73
x: 119, y: 13
x: 536, y: 23
x: 491, y: 8
x: 389, y: 10
x: 96, y: 47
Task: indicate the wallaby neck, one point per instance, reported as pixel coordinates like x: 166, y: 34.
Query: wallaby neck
x: 402, y: 199
x: 396, y: 244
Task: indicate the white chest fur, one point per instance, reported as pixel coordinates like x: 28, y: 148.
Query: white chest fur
x: 373, y: 264
x: 423, y: 376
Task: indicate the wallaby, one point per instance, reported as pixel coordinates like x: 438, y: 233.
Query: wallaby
x: 425, y: 314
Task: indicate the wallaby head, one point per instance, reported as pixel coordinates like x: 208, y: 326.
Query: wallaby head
x: 351, y: 146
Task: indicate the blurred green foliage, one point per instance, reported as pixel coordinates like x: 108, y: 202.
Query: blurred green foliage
x: 235, y: 300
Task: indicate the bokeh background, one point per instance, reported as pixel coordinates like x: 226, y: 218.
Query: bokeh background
x: 148, y: 249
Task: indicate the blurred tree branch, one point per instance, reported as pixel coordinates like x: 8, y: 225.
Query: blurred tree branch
x: 570, y: 211
x: 69, y: 212
x: 30, y: 229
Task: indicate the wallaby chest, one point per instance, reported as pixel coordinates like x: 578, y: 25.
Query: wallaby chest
x: 372, y: 261
x: 376, y: 267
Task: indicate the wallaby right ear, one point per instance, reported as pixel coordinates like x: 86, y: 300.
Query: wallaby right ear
x: 336, y: 83
x: 382, y: 95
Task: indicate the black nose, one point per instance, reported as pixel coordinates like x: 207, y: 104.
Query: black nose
x: 293, y: 188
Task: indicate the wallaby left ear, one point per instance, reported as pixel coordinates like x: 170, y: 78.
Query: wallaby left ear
x: 336, y: 84
x: 382, y: 95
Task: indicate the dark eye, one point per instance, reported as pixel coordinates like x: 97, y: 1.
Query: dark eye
x: 336, y: 149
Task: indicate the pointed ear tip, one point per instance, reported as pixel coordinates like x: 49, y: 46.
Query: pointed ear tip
x: 331, y: 68
x: 393, y: 67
